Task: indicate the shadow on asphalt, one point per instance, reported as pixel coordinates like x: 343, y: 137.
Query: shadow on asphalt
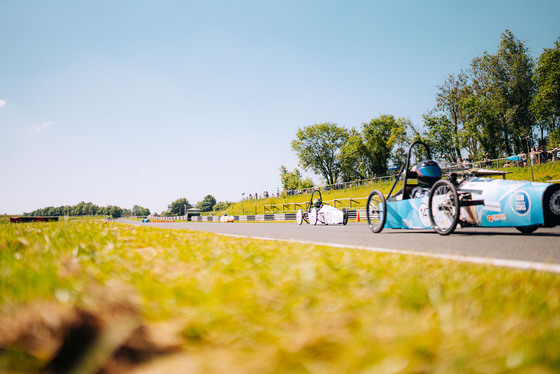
x: 477, y: 232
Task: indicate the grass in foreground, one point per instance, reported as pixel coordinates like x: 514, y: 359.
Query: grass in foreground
x: 228, y: 305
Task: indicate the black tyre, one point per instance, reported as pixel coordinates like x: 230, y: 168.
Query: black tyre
x: 344, y: 216
x: 527, y: 229
x: 551, y: 205
x: 376, y: 211
x: 443, y: 207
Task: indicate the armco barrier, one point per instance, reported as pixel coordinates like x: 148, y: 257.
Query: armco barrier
x: 352, y: 214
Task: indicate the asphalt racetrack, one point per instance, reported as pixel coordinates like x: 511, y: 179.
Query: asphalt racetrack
x: 500, y: 246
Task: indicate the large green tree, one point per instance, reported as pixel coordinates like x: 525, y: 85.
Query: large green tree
x: 380, y: 136
x: 440, y: 136
x: 506, y: 79
x: 449, y: 99
x: 140, y: 211
x: 292, y: 180
x: 367, y: 152
x: 207, y: 204
x: 353, y: 158
x: 317, y: 147
x: 546, y: 102
x: 178, y: 207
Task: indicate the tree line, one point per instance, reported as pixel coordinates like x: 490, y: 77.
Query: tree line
x: 502, y: 104
x: 176, y: 208
x: 81, y: 209
x: 180, y: 206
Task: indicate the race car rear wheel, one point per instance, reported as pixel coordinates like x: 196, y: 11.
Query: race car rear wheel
x: 313, y: 216
x: 443, y: 207
x: 376, y: 211
x: 527, y: 229
x: 344, y: 216
x: 299, y: 216
x: 551, y: 205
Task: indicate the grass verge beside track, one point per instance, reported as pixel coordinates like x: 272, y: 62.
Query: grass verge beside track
x: 180, y: 301
x: 541, y: 173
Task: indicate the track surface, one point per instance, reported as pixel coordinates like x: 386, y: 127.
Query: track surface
x: 542, y: 246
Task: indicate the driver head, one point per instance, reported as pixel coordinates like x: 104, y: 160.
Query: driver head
x: 428, y: 172
x: 317, y: 203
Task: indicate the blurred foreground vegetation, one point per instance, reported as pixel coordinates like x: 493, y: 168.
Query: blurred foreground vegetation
x: 157, y: 300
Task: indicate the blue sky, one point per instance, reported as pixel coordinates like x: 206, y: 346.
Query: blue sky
x: 144, y: 102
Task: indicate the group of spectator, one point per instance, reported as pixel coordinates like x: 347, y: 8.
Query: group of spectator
x: 466, y: 162
x: 265, y: 195
x: 538, y: 155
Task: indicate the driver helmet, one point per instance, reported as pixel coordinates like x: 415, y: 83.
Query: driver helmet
x: 428, y: 172
x: 317, y: 203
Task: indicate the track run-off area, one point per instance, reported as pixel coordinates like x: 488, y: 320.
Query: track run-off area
x: 496, y: 246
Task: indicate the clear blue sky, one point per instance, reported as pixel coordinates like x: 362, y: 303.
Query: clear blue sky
x: 144, y: 102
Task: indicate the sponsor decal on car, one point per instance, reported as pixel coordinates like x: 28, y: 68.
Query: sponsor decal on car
x: 423, y: 215
x: 520, y: 203
x: 496, y: 217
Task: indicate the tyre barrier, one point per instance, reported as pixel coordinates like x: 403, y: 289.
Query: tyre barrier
x: 26, y: 219
x: 352, y: 215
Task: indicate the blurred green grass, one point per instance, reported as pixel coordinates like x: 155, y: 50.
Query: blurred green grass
x: 254, y: 306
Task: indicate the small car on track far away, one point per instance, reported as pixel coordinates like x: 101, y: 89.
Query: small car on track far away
x: 466, y: 198
x: 317, y: 212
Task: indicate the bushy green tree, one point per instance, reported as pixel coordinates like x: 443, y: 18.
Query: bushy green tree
x: 140, y: 211
x: 449, y: 98
x: 317, y: 147
x: 179, y: 206
x: 506, y: 80
x: 292, y: 180
x: 379, y: 137
x: 353, y: 158
x: 546, y: 102
x: 207, y: 204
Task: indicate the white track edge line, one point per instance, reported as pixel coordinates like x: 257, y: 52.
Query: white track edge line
x: 515, y: 264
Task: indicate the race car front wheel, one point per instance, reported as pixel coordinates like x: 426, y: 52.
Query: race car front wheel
x: 376, y: 211
x: 313, y: 216
x: 443, y: 207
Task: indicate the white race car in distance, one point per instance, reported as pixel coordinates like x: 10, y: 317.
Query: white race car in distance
x: 318, y: 212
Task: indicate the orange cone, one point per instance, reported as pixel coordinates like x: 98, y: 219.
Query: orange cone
x: 357, y: 216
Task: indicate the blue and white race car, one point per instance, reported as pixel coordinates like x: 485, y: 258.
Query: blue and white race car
x: 471, y: 200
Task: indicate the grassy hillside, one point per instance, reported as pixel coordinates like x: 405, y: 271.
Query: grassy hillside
x: 170, y: 301
x: 542, y: 173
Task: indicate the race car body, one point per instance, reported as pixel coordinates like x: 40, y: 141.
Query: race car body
x: 442, y: 204
x: 492, y: 203
x: 511, y: 203
x: 318, y: 212
x: 329, y: 215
